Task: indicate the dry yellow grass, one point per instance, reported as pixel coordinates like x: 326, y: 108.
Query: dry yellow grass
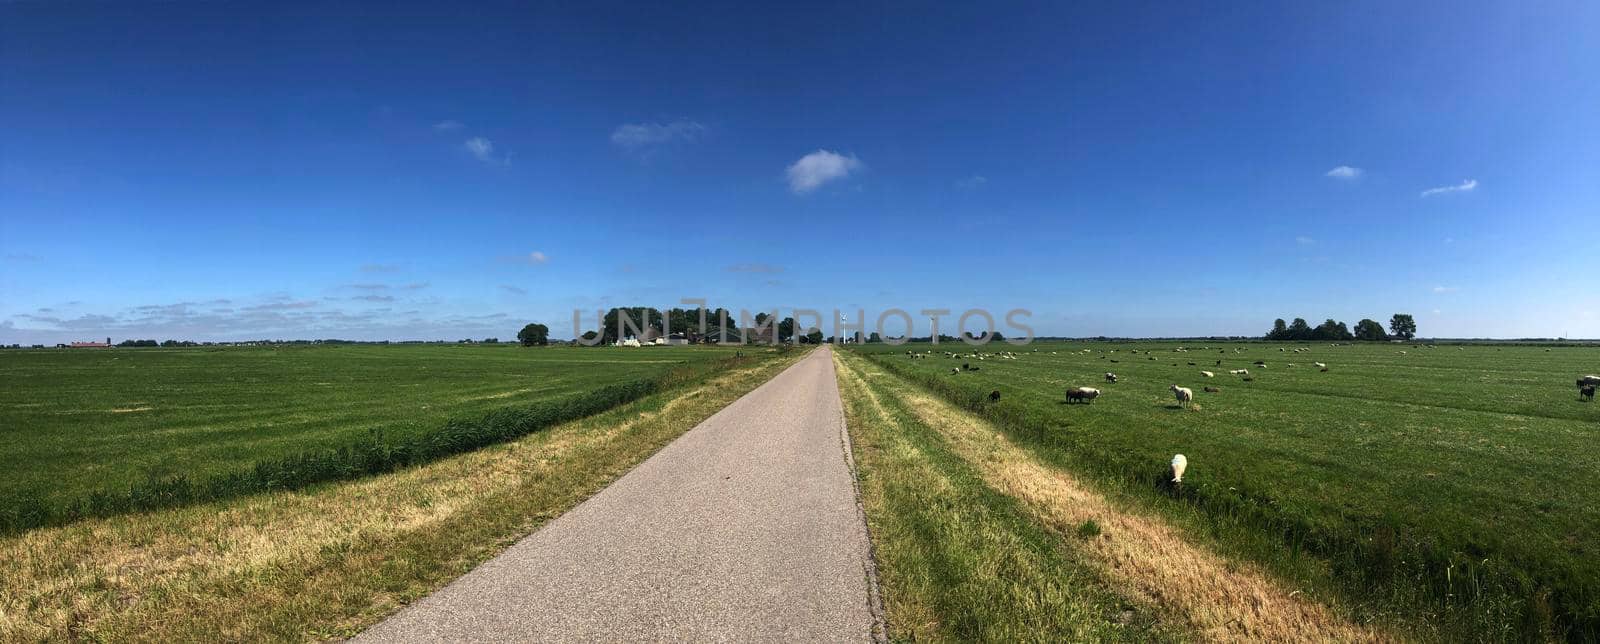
x: 1217, y: 599
x: 327, y: 561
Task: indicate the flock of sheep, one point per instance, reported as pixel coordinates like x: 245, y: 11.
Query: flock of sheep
x: 1183, y: 395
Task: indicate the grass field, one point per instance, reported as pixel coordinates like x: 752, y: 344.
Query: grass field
x: 77, y: 422
x: 1447, y: 488
x: 325, y: 561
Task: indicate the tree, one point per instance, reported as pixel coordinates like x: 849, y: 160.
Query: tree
x: 814, y: 337
x: 534, y: 334
x: 1299, y: 330
x: 1280, y: 330
x: 1331, y: 330
x: 1369, y: 330
x: 1403, y: 326
x: 874, y: 338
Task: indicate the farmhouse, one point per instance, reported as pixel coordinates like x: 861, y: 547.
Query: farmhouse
x: 91, y: 345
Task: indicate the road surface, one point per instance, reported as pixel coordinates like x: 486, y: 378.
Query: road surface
x: 745, y: 528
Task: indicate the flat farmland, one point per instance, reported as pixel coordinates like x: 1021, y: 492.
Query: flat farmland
x: 1454, y: 479
x: 77, y: 421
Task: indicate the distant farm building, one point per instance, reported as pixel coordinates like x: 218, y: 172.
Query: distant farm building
x: 91, y: 345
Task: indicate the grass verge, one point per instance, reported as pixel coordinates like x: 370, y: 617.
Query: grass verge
x: 957, y: 560
x: 1141, y: 559
x: 330, y: 559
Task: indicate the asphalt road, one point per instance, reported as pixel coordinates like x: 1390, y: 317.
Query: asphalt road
x: 745, y: 528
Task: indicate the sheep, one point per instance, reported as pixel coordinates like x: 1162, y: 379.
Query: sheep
x: 1319, y: 365
x: 994, y: 396
x: 1240, y: 372
x: 1587, y: 393
x: 1179, y: 464
x: 1183, y: 394
x: 1213, y: 390
x: 955, y: 371
x: 1208, y: 374
x: 1082, y: 394
x: 1111, y: 377
x: 1588, y: 380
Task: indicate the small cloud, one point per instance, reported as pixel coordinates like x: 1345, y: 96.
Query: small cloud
x: 514, y: 290
x: 537, y: 257
x: 369, y: 287
x: 972, y: 182
x: 1466, y: 186
x: 1305, y: 241
x: 448, y: 125
x: 817, y: 168
x: 633, y: 136
x: 1449, y: 240
x: 1344, y: 172
x: 22, y: 257
x: 415, y: 286
x: 534, y: 258
x: 1445, y: 289
x: 380, y: 268
x: 483, y: 150
x: 373, y: 298
x: 755, y: 268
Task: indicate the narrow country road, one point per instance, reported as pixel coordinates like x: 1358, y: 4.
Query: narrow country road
x: 745, y: 528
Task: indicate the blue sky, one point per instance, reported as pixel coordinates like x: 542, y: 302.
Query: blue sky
x: 437, y: 171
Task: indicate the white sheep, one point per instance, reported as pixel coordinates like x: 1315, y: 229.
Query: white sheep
x: 1179, y: 464
x: 1208, y: 374
x: 1319, y: 365
x: 1183, y: 394
x: 1240, y: 372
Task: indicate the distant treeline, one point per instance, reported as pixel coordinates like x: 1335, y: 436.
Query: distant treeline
x: 1402, y: 326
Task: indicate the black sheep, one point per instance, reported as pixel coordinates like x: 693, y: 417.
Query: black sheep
x: 1587, y: 393
x: 994, y: 396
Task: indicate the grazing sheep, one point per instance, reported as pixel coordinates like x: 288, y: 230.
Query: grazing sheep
x: 1261, y: 363
x: 994, y: 396
x: 1248, y: 379
x: 1587, y: 393
x: 1319, y: 365
x: 1213, y: 390
x: 1219, y: 363
x: 1082, y: 394
x: 1179, y: 464
x: 973, y: 369
x: 1588, y: 380
x: 966, y: 365
x: 1191, y: 364
x: 954, y: 371
x: 1208, y: 374
x: 1240, y: 372
x: 1111, y: 377
x: 1183, y: 394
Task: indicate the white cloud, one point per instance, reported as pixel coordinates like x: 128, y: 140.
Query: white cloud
x: 483, y: 150
x: 637, y: 135
x: 817, y: 168
x: 448, y: 126
x: 972, y: 182
x: 1466, y: 186
x: 1344, y: 172
x: 1304, y: 240
x: 514, y: 290
x: 1445, y: 289
x: 537, y: 257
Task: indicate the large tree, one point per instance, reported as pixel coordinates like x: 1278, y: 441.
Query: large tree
x: 1370, y: 330
x: 1299, y: 330
x: 1280, y: 330
x: 1403, y: 326
x: 534, y: 334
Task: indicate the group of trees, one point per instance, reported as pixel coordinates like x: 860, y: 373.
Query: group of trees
x: 153, y: 343
x: 533, y: 335
x: 719, y: 323
x: 1401, y: 326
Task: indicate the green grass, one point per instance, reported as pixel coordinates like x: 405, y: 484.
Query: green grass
x: 328, y: 560
x: 959, y: 561
x: 1451, y: 487
x: 76, y: 423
